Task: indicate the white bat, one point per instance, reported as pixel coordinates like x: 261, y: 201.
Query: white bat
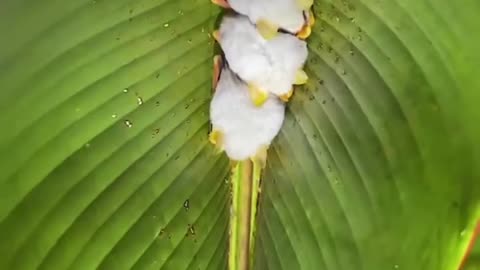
x: 241, y: 129
x: 267, y: 66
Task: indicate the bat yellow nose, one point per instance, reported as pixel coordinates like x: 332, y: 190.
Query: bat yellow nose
x: 311, y: 18
x: 216, y: 35
x: 305, y: 32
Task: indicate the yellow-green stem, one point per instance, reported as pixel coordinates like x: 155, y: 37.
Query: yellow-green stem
x: 245, y: 180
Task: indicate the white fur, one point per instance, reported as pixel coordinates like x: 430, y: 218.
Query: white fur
x: 245, y: 127
x: 271, y: 65
x: 287, y: 14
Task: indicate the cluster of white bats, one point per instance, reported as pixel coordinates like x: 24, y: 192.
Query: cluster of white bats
x: 263, y: 56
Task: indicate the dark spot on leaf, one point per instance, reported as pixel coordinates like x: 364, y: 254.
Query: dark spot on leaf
x: 186, y: 204
x: 191, y: 229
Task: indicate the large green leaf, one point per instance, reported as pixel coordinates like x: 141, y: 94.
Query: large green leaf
x: 105, y: 162
x: 374, y: 168
x: 91, y: 177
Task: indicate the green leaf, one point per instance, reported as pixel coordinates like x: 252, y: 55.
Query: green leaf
x: 105, y: 162
x: 473, y: 262
x: 374, y: 167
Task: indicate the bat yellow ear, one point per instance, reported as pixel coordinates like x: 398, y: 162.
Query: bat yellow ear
x: 217, y: 66
x: 311, y: 18
x: 300, y: 77
x: 216, y: 138
x: 305, y: 4
x: 305, y: 32
x: 286, y: 97
x: 267, y: 29
x: 258, y: 96
x: 216, y: 35
x: 221, y: 3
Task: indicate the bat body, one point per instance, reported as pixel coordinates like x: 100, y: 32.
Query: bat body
x: 285, y: 14
x: 240, y: 128
x: 271, y: 66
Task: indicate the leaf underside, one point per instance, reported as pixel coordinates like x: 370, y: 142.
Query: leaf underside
x: 374, y: 167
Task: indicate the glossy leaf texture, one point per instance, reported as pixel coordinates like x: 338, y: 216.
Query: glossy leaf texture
x: 375, y: 167
x: 105, y: 162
